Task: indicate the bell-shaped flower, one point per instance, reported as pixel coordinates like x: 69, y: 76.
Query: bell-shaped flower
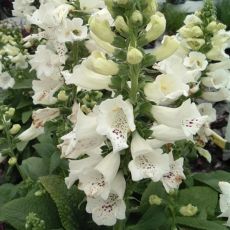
x: 206, y: 109
x: 168, y: 47
x: 91, y: 6
x: 194, y: 43
x: 172, y: 179
x: 82, y: 138
x: 225, y: 200
x: 78, y: 167
x: 45, y: 62
x: 196, y: 61
x: 190, y: 32
x: 220, y: 42
x: 44, y: 90
x: 31, y: 133
x: 94, y: 73
x: 41, y: 116
x: 106, y: 212
x: 192, y: 20
x: 177, y: 123
x: 217, y: 79
x: 116, y: 120
x: 165, y: 89
x: 147, y: 162
x: 225, y: 65
x: 71, y: 30
x: 220, y: 95
x: 97, y: 181
x: 6, y: 81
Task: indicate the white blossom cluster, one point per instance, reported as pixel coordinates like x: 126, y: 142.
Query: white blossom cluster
x: 183, y: 72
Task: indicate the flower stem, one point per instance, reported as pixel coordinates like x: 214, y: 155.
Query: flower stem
x: 120, y: 225
x: 134, y: 76
x: 217, y: 139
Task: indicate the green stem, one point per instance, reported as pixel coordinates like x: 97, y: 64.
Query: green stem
x: 120, y: 225
x: 134, y: 72
x: 10, y: 144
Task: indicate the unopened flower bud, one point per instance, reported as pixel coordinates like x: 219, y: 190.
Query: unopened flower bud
x: 155, y: 28
x: 215, y: 27
x: 155, y: 200
x: 151, y: 7
x: 15, y: 129
x: 188, y: 210
x: 62, y: 96
x: 137, y: 17
x: 195, y: 43
x: 168, y: 47
x: 101, y: 29
x: 134, y: 56
x: 12, y: 161
x: 10, y: 112
x: 121, y: 25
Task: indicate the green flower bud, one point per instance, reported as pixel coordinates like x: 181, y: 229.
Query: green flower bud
x: 11, y: 112
x: 15, y: 129
x: 121, y: 25
x: 12, y: 161
x: 191, y: 32
x: 137, y: 17
x: 151, y: 7
x: 188, y: 210
x: 101, y: 29
x: 62, y: 96
x: 195, y: 43
x: 215, y: 27
x: 155, y: 200
x: 134, y: 56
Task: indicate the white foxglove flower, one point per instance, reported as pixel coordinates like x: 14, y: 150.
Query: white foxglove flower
x: 44, y: 90
x: 31, y: 133
x: 225, y: 200
x: 73, y: 116
x: 196, y: 61
x: 11, y: 50
x: 104, y: 14
x: 106, y: 212
x: 220, y: 42
x: 206, y: 109
x: 41, y: 116
x: 20, y: 61
x: 225, y: 65
x: 6, y: 81
x: 82, y: 138
x: 172, y: 179
x: 77, y: 167
x: 147, y: 162
x: 220, y: 95
x: 217, y: 79
x: 177, y: 123
x: 116, y: 120
x: 45, y: 62
x: 192, y: 20
x: 22, y: 8
x: 165, y: 89
x: 97, y: 181
x: 94, y: 73
x: 174, y: 66
x: 71, y: 30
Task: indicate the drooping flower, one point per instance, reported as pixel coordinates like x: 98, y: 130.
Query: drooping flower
x: 44, y: 90
x: 106, y: 212
x: 97, y: 181
x: 165, y: 89
x: 147, y: 162
x: 225, y: 200
x: 94, y: 73
x: 45, y: 62
x: 31, y: 133
x: 116, y: 120
x: 83, y: 137
x: 177, y: 123
x: 219, y: 95
x: 172, y: 179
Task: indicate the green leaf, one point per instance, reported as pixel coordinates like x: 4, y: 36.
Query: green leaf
x: 7, y: 193
x: 62, y: 197
x: 152, y: 189
x: 26, y: 116
x: 21, y: 145
x: 54, y: 162
x: 154, y: 218
x: 23, y: 84
x: 204, y: 198
x: 45, y: 150
x: 15, y: 211
x: 34, y: 167
x: 200, y: 224
x: 212, y: 179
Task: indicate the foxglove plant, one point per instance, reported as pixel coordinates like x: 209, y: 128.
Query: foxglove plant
x: 131, y: 103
